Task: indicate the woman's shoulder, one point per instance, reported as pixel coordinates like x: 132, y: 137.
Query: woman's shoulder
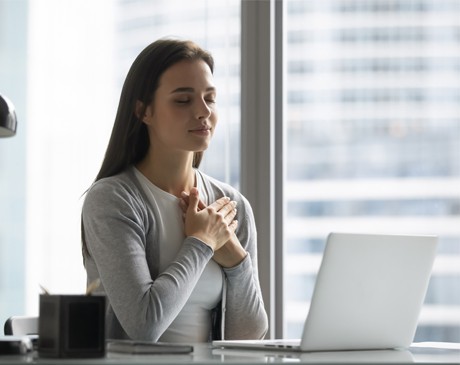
x: 115, y: 197
x: 123, y: 185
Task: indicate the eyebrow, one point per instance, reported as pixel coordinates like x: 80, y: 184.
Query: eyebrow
x: 190, y: 89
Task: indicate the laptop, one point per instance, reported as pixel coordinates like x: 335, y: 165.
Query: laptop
x: 368, y: 295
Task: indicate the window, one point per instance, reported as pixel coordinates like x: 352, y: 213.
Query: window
x: 373, y: 140
x: 368, y: 127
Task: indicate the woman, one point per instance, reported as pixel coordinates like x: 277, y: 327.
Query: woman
x: 163, y: 237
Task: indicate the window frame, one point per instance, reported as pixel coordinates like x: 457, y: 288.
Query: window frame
x: 262, y: 167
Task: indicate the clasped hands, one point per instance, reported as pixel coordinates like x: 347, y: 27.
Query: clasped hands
x: 214, y: 225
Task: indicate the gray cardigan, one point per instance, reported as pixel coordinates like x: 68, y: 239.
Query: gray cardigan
x: 122, y: 241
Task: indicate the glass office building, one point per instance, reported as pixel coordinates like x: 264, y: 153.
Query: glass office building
x: 372, y: 121
x: 373, y: 113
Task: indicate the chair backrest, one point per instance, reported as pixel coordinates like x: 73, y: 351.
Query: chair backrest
x: 21, y: 326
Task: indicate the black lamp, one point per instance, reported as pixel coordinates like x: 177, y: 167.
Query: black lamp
x: 8, y: 121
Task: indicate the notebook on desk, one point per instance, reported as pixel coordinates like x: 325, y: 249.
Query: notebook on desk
x: 368, y: 295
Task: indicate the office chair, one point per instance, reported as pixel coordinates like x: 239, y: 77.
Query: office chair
x: 21, y: 326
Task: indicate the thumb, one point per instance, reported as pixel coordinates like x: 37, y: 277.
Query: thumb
x: 193, y: 200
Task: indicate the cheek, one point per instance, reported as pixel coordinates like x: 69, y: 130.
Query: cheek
x: 164, y: 118
x: 214, y: 116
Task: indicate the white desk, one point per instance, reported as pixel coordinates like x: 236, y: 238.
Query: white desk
x: 205, y: 354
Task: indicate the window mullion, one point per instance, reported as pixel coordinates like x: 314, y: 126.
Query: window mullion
x: 261, y: 144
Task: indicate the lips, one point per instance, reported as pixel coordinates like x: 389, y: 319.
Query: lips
x: 200, y: 129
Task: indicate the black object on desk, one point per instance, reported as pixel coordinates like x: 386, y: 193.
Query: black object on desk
x: 12, y: 345
x: 71, y: 326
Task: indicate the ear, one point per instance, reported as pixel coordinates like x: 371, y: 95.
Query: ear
x: 142, y: 112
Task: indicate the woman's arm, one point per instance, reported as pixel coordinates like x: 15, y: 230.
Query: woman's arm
x: 245, y: 315
x: 116, y: 228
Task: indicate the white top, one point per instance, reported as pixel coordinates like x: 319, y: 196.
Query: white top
x: 193, y: 322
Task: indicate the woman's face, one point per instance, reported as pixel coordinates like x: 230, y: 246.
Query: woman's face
x: 182, y: 116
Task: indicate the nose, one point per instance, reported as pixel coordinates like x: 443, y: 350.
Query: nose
x: 203, y: 110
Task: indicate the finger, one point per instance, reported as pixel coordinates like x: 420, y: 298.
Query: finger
x: 232, y: 226
x: 185, y: 198
x: 193, y: 200
x: 228, y: 208
x: 230, y: 217
x: 232, y: 213
x: 220, y: 203
x: 201, y: 205
x: 183, y: 206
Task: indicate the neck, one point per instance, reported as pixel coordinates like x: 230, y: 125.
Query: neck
x: 172, y: 174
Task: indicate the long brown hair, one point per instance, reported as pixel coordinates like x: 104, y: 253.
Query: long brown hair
x: 129, y: 141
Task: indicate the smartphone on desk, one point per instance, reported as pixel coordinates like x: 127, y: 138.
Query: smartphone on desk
x: 147, y: 347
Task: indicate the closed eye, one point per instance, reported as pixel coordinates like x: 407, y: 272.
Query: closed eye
x: 183, y: 101
x: 210, y: 97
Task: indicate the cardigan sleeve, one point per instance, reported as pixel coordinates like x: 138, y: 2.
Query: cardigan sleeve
x: 244, y: 312
x: 115, y: 230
